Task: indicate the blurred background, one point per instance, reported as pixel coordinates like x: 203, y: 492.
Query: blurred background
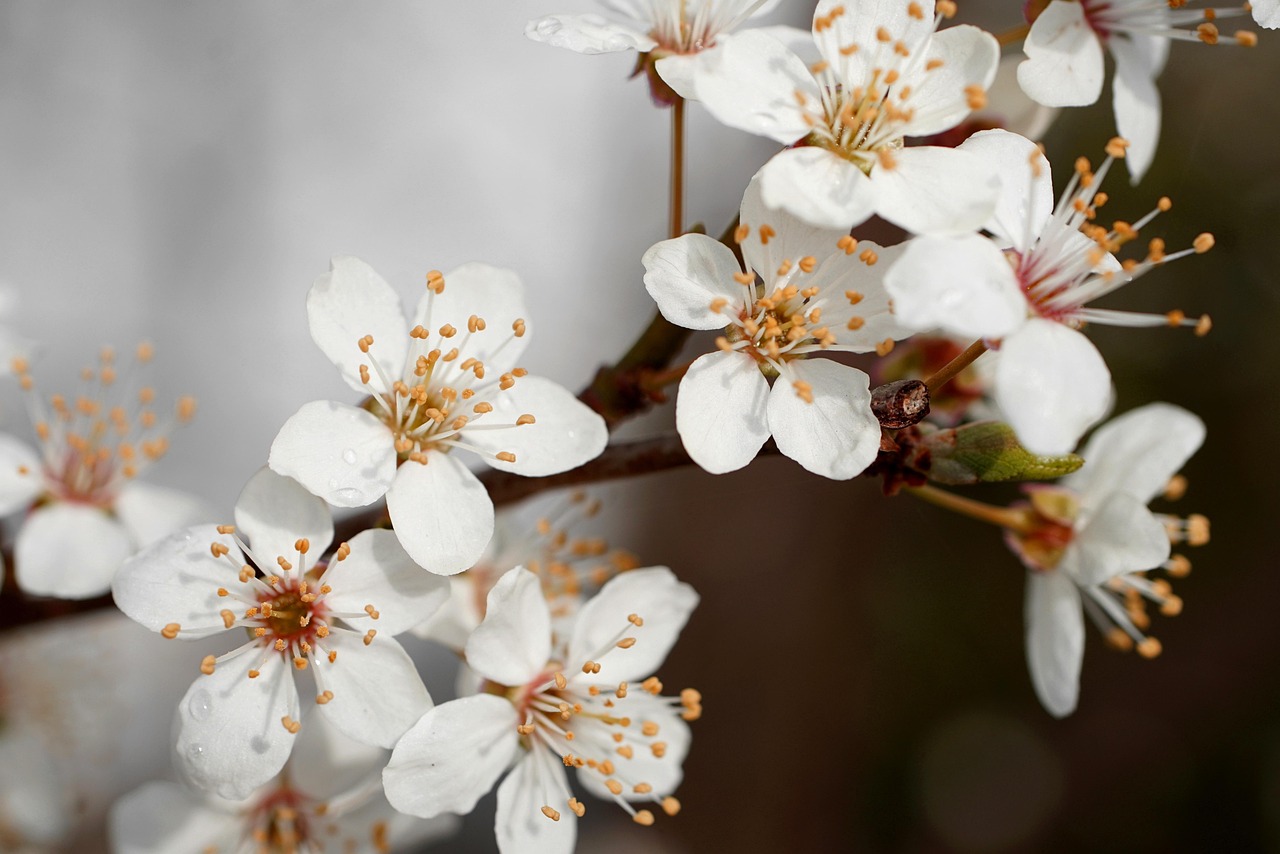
x: 181, y: 171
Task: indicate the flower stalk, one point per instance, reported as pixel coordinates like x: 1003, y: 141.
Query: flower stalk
x: 1004, y: 517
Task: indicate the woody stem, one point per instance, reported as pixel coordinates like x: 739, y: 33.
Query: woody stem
x: 948, y: 372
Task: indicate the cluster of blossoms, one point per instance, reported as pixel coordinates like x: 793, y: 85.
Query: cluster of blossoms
x: 318, y: 728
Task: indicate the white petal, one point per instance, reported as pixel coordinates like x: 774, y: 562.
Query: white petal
x: 565, y: 433
x: 1010, y: 107
x: 1137, y: 453
x: 859, y: 23
x: 658, y: 598
x: 664, y: 773
x: 346, y: 304
x: 797, y: 40
x: 513, y: 643
x: 152, y: 512
x: 940, y: 100
x: 377, y: 692
x: 836, y: 435
x: 379, y: 572
x: 932, y: 190
x: 325, y: 763
x: 69, y: 551
x: 1055, y: 640
x: 1026, y: 191
x: 231, y: 735
x: 1266, y: 13
x: 1121, y: 535
x: 495, y: 294
x: 162, y: 816
x: 273, y: 512
x: 457, y: 618
x: 720, y: 411
x: 441, y: 513
x: 681, y: 72
x: 20, y: 475
x: 344, y: 454
x: 1052, y: 385
x: 851, y: 272
x: 587, y: 34
x: 1064, y: 58
x: 176, y: 580
x: 452, y: 756
x: 819, y: 187
x: 750, y: 83
x: 963, y: 285
x: 686, y: 274
x: 1136, y: 102
x: 792, y: 238
x: 521, y: 827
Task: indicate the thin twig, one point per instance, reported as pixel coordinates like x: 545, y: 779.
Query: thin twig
x: 948, y: 372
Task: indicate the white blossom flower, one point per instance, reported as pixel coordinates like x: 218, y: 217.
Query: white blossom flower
x: 450, y: 382
x: 1092, y: 541
x: 1028, y: 288
x: 571, y: 566
x: 885, y: 74
x: 87, y: 512
x: 334, y: 619
x: 328, y: 794
x: 547, y: 705
x: 667, y: 33
x: 1064, y: 64
x: 821, y: 291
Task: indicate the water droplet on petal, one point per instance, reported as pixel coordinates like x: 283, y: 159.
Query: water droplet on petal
x: 259, y: 744
x: 200, y: 705
x: 195, y: 751
x: 333, y: 483
x: 349, y: 456
x: 350, y: 496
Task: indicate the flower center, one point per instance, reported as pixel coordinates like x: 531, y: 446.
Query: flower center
x: 440, y: 391
x: 599, y: 727
x: 865, y: 109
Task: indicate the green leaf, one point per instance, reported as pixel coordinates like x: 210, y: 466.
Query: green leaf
x: 989, y: 452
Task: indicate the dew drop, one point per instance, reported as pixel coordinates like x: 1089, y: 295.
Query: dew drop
x: 350, y: 497
x: 195, y: 751
x: 349, y: 456
x: 259, y: 744
x: 333, y: 483
x: 200, y: 705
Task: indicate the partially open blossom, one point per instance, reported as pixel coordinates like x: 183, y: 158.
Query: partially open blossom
x: 449, y: 383
x: 328, y: 797
x: 667, y: 33
x: 571, y: 565
x: 1027, y: 289
x: 87, y: 510
x: 333, y: 619
x: 1064, y: 64
x: 1091, y: 541
x: 820, y: 290
x: 886, y: 73
x: 588, y: 701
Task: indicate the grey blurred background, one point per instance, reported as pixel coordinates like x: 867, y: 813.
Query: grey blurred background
x: 181, y: 171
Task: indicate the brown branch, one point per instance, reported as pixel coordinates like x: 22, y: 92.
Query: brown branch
x: 618, y: 391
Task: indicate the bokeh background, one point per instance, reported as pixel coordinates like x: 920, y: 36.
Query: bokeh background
x: 181, y: 171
